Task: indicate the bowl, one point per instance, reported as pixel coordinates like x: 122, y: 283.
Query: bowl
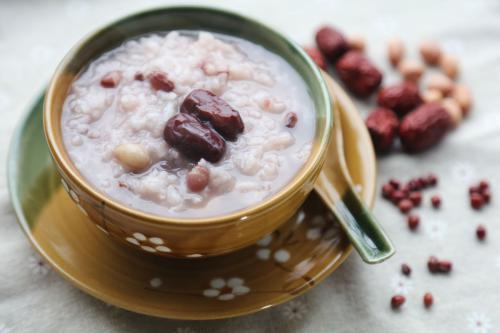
x: 179, y: 237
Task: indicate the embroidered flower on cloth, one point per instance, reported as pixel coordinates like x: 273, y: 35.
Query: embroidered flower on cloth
x: 479, y: 323
x: 226, y: 290
x: 463, y: 172
x: 401, y: 284
x: 434, y: 228
x: 37, y: 265
x: 5, y: 329
x: 4, y: 101
x: 294, y: 310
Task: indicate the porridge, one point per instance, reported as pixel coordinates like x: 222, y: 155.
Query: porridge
x: 188, y: 124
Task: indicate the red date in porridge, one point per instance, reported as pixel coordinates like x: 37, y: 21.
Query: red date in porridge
x: 188, y: 124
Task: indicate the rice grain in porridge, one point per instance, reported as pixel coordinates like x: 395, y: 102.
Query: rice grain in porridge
x: 116, y: 112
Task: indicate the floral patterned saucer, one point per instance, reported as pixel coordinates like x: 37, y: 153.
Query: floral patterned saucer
x: 279, y: 267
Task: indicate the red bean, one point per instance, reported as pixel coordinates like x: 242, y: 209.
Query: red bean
x: 428, y: 300
x: 481, y: 232
x: 397, y: 301
x: 197, y: 179
x: 405, y: 269
x: 436, y: 201
x: 413, y: 222
x: 159, y: 81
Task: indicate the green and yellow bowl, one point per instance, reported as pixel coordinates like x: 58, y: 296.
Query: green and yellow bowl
x: 166, y: 235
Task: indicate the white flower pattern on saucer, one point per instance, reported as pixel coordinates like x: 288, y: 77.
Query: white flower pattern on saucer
x: 479, y: 323
x: 185, y: 330
x: 264, y: 253
x: 155, y: 282
x: 37, y: 265
x: 75, y: 198
x: 148, y: 244
x: 401, y: 284
x: 319, y: 228
x: 301, y: 269
x: 226, y: 290
x: 294, y: 310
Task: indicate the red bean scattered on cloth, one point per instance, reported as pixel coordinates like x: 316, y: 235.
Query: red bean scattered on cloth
x: 397, y: 301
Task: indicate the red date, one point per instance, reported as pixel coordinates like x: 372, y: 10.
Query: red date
x: 194, y: 139
x: 331, y: 43
x: 208, y: 107
x: 159, y: 81
x: 358, y: 74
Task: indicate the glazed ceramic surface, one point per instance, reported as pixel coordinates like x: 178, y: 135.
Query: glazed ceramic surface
x: 282, y: 265
x: 187, y: 237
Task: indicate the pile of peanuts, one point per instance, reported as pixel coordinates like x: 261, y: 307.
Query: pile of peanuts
x: 420, y: 119
x: 455, y: 97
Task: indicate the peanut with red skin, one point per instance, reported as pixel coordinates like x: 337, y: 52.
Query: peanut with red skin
x: 395, y: 51
x: 440, y: 82
x: 356, y: 43
x: 463, y: 96
x: 432, y: 95
x: 449, y: 66
x: 430, y: 52
x: 411, y: 70
x: 454, y: 110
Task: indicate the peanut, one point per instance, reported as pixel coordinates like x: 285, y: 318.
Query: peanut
x: 453, y: 108
x: 442, y: 83
x: 463, y: 97
x: 449, y: 66
x: 411, y: 70
x: 430, y: 52
x: 356, y: 43
x: 432, y: 95
x: 133, y: 157
x: 395, y: 51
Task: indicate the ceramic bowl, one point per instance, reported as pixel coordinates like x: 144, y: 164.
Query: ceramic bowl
x: 165, y: 235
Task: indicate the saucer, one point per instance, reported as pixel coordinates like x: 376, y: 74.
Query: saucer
x: 279, y: 267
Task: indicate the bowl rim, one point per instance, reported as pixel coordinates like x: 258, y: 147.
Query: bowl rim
x: 295, y: 185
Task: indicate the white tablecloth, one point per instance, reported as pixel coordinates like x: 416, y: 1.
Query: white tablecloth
x: 34, y: 35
